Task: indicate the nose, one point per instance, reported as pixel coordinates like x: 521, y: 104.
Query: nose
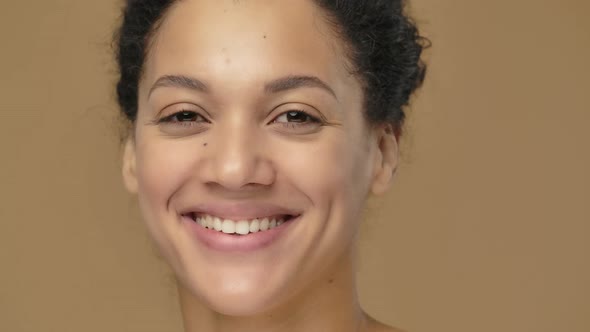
x: 238, y: 158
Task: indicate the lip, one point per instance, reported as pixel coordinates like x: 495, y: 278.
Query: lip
x: 239, y: 210
x: 219, y: 241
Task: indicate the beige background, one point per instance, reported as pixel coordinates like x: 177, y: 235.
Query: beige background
x: 487, y: 228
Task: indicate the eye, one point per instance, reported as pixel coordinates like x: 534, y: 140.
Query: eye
x: 295, y: 118
x: 183, y: 123
x: 183, y: 116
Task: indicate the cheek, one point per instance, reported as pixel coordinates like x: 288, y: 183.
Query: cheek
x: 162, y: 168
x: 332, y: 172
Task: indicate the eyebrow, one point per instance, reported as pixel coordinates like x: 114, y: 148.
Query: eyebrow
x: 279, y: 85
x: 295, y: 82
x: 179, y: 81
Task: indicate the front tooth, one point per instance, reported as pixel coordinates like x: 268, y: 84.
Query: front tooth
x: 255, y: 226
x: 228, y: 226
x: 264, y: 224
x: 217, y: 224
x: 209, y: 222
x: 273, y: 224
x: 242, y: 227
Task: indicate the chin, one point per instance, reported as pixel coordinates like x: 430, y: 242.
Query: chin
x: 234, y: 300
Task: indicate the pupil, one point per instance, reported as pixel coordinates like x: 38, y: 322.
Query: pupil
x: 185, y: 116
x: 296, y: 116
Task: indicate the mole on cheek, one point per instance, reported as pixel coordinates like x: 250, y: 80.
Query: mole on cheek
x: 224, y: 54
x: 205, y: 144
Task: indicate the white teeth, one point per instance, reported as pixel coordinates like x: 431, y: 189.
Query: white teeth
x: 254, y: 226
x: 217, y: 224
x: 242, y: 227
x: 264, y: 224
x: 228, y: 226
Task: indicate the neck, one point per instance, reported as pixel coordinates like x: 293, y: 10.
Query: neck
x: 329, y: 304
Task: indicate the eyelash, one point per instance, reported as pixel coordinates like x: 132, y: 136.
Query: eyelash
x: 312, y: 120
x: 171, y: 118
x: 291, y: 125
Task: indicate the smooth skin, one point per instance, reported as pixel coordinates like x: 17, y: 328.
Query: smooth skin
x: 254, y: 101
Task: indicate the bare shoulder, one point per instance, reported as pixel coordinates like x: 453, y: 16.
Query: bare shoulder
x: 376, y: 326
x: 384, y: 328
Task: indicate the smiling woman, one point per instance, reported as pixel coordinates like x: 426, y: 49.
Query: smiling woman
x: 259, y: 129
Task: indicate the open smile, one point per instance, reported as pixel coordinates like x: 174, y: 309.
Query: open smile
x: 239, y: 227
x: 244, y: 235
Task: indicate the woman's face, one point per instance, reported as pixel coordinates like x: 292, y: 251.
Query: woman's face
x: 247, y: 111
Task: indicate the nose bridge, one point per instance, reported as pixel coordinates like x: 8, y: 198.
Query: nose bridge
x: 238, y: 156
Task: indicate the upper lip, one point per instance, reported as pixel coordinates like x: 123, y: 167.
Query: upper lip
x: 240, y: 210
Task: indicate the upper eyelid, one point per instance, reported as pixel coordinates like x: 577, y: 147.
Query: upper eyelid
x: 288, y: 106
x: 182, y: 111
x: 182, y: 107
x: 169, y: 118
x: 301, y: 107
x: 313, y: 117
x: 171, y: 115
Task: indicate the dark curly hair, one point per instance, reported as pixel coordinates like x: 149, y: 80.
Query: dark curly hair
x: 384, y: 48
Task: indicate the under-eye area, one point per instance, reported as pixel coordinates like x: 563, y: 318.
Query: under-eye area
x: 239, y: 227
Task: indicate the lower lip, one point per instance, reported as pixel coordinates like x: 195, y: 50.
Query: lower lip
x: 220, y: 241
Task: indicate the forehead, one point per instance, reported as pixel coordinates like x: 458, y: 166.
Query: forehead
x: 247, y: 40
